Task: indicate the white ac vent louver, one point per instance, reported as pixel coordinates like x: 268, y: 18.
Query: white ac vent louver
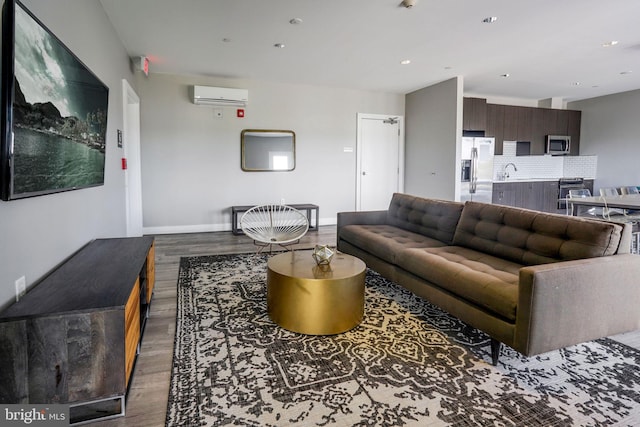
x: 224, y: 96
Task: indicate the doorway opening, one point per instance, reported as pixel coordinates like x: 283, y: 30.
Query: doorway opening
x: 131, y: 145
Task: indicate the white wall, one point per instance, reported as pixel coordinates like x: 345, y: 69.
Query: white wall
x: 40, y: 232
x: 191, y: 173
x: 433, y: 130
x: 611, y: 130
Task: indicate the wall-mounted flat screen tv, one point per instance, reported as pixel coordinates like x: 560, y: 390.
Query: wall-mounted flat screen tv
x: 54, y: 112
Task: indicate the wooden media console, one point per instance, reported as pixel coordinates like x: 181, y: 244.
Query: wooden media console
x: 75, y: 336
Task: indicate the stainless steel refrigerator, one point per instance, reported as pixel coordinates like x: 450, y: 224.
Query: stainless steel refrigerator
x: 477, y: 169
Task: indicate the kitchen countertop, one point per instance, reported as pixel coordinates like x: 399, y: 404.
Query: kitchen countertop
x: 508, y: 180
x: 531, y: 180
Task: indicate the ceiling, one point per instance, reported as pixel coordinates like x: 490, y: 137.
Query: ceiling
x: 548, y: 48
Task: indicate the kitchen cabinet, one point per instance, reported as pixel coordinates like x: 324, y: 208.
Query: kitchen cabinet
x: 504, y: 193
x: 474, y: 114
x: 529, y: 195
x: 551, y: 193
x: 535, y: 195
x: 573, y: 130
x: 550, y: 121
x: 515, y: 123
x: 538, y: 135
x: 495, y: 129
x: 524, y: 126
x: 562, y: 122
x: 510, y: 124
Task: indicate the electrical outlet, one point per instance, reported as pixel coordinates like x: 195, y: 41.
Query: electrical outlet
x: 21, y: 287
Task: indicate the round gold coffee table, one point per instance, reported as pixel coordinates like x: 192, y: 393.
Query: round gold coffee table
x: 315, y: 299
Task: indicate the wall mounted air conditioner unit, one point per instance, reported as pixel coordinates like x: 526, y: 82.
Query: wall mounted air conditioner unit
x: 208, y: 95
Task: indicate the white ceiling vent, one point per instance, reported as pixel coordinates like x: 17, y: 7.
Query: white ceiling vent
x: 208, y: 95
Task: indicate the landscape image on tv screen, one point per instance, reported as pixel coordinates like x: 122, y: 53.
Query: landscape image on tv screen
x: 59, y: 115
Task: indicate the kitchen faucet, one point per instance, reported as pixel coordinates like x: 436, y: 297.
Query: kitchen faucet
x: 506, y: 174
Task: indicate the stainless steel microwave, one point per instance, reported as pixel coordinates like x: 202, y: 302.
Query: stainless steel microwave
x: 558, y: 144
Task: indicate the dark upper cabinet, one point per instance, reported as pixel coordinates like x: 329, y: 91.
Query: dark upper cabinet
x: 573, y: 130
x: 562, y: 122
x: 514, y: 123
x: 537, y: 131
x: 550, y: 120
x: 495, y: 125
x: 524, y: 128
x: 510, y: 126
x: 474, y: 114
x: 534, y: 124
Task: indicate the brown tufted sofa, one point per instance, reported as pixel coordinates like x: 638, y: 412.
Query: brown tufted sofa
x: 532, y: 280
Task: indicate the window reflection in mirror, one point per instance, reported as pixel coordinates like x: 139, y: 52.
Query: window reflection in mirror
x: 268, y: 150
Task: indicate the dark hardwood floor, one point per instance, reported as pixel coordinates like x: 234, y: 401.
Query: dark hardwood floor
x: 147, y: 400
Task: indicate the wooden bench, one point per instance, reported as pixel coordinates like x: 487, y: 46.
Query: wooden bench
x: 308, y: 208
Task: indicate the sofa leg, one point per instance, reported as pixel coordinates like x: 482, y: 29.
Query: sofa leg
x: 495, y: 351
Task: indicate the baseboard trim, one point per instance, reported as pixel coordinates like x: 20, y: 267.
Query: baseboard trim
x: 179, y: 229
x: 206, y: 228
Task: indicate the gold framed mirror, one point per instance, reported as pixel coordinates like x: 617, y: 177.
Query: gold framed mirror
x: 267, y: 150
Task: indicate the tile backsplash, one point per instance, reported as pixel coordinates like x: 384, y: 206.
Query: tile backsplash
x: 543, y: 167
x: 584, y: 166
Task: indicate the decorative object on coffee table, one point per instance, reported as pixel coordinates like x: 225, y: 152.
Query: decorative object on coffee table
x: 323, y: 254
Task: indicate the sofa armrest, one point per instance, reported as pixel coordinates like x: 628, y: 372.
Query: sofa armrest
x: 566, y: 303
x: 362, y: 218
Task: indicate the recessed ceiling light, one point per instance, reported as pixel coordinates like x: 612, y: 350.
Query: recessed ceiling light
x: 626, y: 72
x: 405, y: 62
x: 448, y: 67
x: 295, y: 21
x: 575, y: 84
x: 490, y: 19
x: 279, y: 45
x: 610, y: 43
x: 505, y: 75
x: 226, y: 40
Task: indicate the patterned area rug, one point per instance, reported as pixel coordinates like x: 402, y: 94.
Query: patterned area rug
x: 407, y: 364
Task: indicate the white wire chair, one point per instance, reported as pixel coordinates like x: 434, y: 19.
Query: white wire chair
x: 634, y: 218
x: 607, y: 192
x: 582, y: 192
x: 629, y: 190
x: 270, y: 225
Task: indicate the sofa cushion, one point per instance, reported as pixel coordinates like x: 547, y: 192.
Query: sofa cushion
x: 531, y: 237
x: 486, y: 281
x: 385, y: 241
x: 429, y: 217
